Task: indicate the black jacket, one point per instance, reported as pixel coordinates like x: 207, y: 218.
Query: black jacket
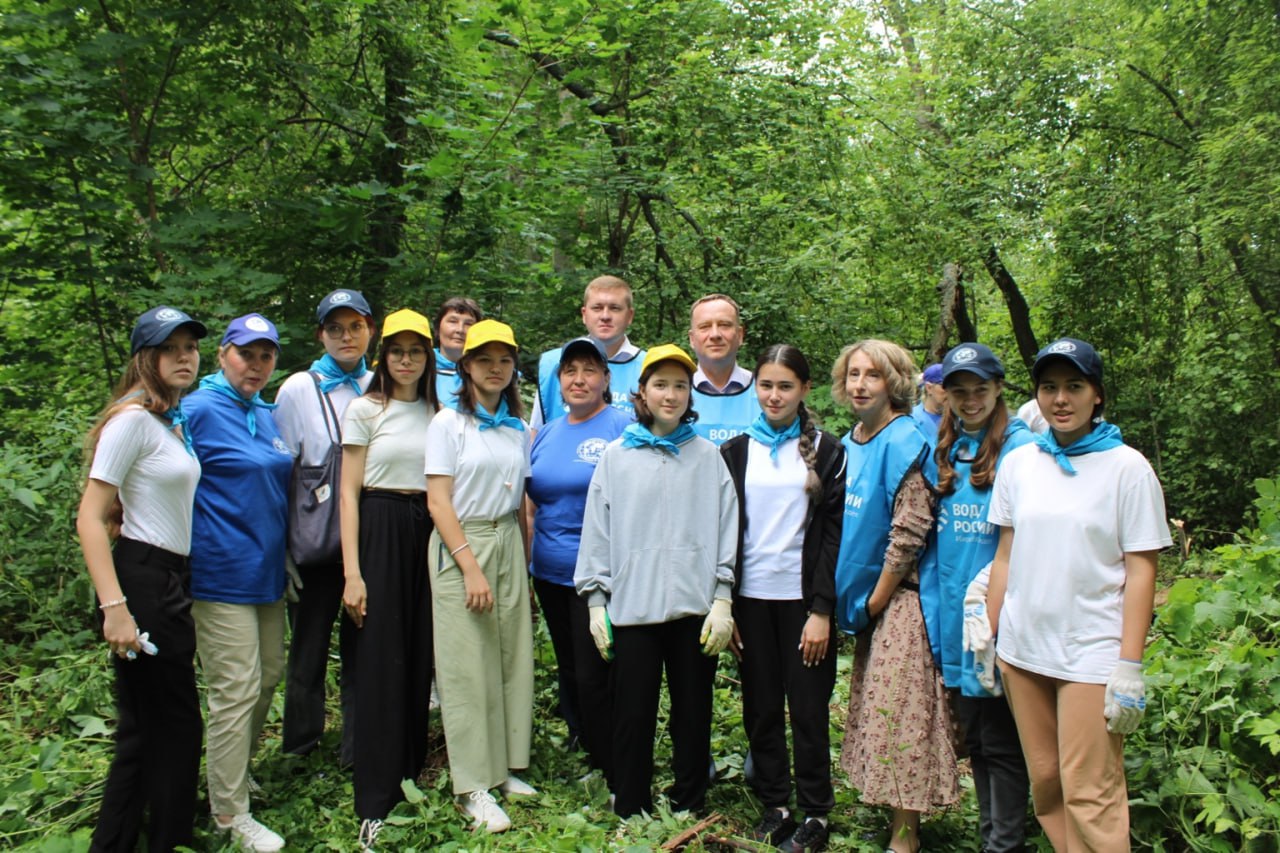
x: 822, y: 529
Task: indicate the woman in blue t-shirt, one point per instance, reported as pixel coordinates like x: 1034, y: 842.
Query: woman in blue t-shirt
x: 563, y: 458
x: 975, y: 434
x: 237, y: 564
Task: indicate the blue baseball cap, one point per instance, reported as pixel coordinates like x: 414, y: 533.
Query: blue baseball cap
x: 1073, y: 350
x: 155, y: 326
x: 250, y: 328
x: 584, y: 348
x: 972, y: 358
x: 932, y: 374
x: 342, y: 298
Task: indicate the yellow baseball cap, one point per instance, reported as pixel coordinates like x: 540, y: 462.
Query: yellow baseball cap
x: 488, y: 332
x: 665, y: 352
x: 405, y: 320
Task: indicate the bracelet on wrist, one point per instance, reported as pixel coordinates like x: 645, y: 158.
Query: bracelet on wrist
x: 459, y: 549
x: 115, y: 602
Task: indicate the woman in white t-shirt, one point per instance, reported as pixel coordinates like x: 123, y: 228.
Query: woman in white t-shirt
x: 387, y: 593
x: 477, y: 464
x: 1082, y: 521
x: 140, y: 493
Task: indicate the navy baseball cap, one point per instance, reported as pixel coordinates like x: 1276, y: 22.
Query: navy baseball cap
x: 155, y: 326
x: 1073, y: 350
x: 343, y: 298
x: 972, y: 358
x: 250, y: 328
x: 584, y: 348
x: 933, y: 374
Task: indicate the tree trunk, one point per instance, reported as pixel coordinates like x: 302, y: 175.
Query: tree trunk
x: 1019, y: 314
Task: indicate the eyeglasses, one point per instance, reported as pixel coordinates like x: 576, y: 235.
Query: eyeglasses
x: 400, y: 354
x: 337, y: 331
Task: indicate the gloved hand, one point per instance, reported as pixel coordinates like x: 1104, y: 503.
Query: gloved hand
x: 1125, y: 700
x: 602, y: 631
x: 976, y: 633
x: 717, y: 628
x: 293, y: 580
x: 861, y: 616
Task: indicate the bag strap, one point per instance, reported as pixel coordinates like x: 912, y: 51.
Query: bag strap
x: 327, y: 403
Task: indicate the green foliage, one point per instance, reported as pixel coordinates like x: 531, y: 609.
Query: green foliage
x: 1205, y: 769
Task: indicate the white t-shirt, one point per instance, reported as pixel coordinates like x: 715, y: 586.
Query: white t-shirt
x: 488, y: 468
x: 301, y: 420
x: 773, y: 544
x: 144, y: 458
x: 396, y: 438
x: 1063, y: 609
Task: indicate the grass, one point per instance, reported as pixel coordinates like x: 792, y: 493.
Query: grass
x: 55, y: 736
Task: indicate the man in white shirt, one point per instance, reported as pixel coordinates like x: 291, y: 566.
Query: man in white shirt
x: 723, y: 391
x: 607, y: 312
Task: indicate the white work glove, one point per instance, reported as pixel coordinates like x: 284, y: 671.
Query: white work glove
x: 602, y: 631
x: 1125, y: 701
x: 293, y: 580
x: 717, y: 628
x: 976, y: 634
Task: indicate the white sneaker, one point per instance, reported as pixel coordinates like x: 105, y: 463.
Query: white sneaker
x: 517, y: 787
x: 251, y: 835
x: 485, y: 811
x: 369, y: 830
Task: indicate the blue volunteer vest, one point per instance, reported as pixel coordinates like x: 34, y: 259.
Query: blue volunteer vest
x: 448, y: 384
x: 624, y: 378
x: 961, y: 544
x: 722, y: 416
x: 874, y: 473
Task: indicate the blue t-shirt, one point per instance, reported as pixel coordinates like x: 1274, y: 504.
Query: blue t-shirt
x: 563, y: 458
x: 242, y: 502
x: 928, y: 422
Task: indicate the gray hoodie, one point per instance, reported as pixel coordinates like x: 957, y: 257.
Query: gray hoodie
x: 660, y: 534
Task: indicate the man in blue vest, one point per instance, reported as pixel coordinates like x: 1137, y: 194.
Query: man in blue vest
x: 724, y: 394
x: 607, y: 312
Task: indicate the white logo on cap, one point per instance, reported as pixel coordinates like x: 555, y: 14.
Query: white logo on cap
x: 963, y: 355
x: 257, y: 324
x: 164, y: 315
x: 339, y: 297
x: 1063, y: 346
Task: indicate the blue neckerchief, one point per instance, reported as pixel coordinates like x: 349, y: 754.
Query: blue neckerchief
x: 502, y: 418
x: 966, y: 442
x: 443, y: 363
x: 771, y: 438
x: 218, y: 382
x: 638, y: 435
x: 335, y: 376
x: 178, y: 418
x: 1103, y: 437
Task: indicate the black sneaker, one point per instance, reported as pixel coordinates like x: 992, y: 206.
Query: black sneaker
x: 809, y: 838
x: 773, y: 828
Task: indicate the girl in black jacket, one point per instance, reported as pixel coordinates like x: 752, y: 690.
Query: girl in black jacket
x: 790, y: 482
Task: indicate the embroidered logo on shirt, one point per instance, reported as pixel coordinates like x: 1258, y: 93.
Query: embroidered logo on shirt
x: 279, y: 445
x: 591, y: 450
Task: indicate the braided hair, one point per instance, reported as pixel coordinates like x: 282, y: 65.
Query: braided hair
x: 793, y: 359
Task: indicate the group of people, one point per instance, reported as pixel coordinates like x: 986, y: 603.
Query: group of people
x: 665, y: 509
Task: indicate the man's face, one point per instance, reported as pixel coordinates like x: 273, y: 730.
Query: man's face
x: 715, y: 333
x: 606, y: 315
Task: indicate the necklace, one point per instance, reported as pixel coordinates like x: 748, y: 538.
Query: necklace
x: 509, y: 481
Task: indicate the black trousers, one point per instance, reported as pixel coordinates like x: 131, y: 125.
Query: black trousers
x: 641, y: 653
x: 774, y: 678
x: 158, y: 733
x: 586, y: 696
x: 311, y: 628
x: 393, y: 651
x: 999, y: 772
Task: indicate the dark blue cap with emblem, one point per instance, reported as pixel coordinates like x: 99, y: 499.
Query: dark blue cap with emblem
x: 1073, y: 350
x: 977, y: 359
x: 343, y: 298
x: 155, y: 326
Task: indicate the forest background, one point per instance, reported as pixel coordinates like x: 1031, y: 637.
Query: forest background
x: 927, y: 171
